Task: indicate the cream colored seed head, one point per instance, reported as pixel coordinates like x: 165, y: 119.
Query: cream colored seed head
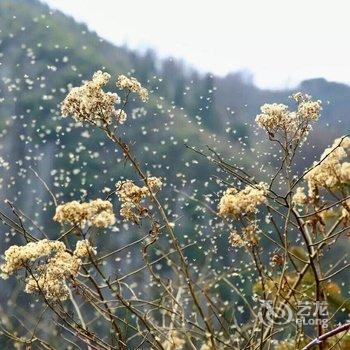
x: 133, y: 85
x: 98, y: 213
x: 83, y: 248
x: 235, y: 204
x: 17, y: 257
x: 131, y: 196
x: 49, y: 264
x: 89, y: 103
x: 277, y: 119
x: 174, y: 341
x: 332, y: 170
x: 299, y: 198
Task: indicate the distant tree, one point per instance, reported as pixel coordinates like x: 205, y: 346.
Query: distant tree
x: 179, y: 91
x: 147, y: 66
x: 206, y: 103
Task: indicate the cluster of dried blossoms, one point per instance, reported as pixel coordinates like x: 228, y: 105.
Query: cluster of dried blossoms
x: 174, y: 341
x: 280, y: 123
x: 236, y: 240
x: 332, y: 171
x: 299, y: 197
x: 132, y: 84
x: 131, y: 196
x: 330, y: 174
x: 236, y: 203
x: 121, y: 116
x: 89, y: 103
x: 278, y: 120
x: 98, y: 213
x: 84, y: 248
x: 249, y: 236
x: 48, y: 265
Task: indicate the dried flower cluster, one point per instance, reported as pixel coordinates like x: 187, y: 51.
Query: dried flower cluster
x: 50, y: 278
x: 278, y: 119
x: 98, y: 213
x: 131, y: 195
x: 250, y: 234
x: 174, y: 342
x: 133, y: 85
x: 248, y: 238
x: 332, y: 170
x: 310, y: 110
x: 16, y: 257
x: 237, y: 203
x: 236, y: 240
x: 121, y: 116
x: 299, y: 197
x: 89, y: 103
x: 273, y: 116
x: 48, y: 264
x: 83, y: 249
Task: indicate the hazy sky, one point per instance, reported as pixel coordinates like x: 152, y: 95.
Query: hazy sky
x: 281, y: 42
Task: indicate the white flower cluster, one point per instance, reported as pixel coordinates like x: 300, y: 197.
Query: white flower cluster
x: 208, y: 345
x: 248, y: 237
x: 131, y: 196
x: 133, y: 85
x: 49, y: 265
x: 278, y: 119
x: 121, y: 116
x: 174, y: 341
x: 310, y: 110
x: 83, y: 248
x: 333, y: 169
x: 50, y: 278
x: 98, y: 213
x: 17, y: 257
x: 237, y: 203
x: 299, y: 197
x: 89, y: 103
x: 236, y: 240
x: 273, y: 116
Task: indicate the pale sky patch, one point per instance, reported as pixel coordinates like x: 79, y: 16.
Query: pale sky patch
x: 280, y: 42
